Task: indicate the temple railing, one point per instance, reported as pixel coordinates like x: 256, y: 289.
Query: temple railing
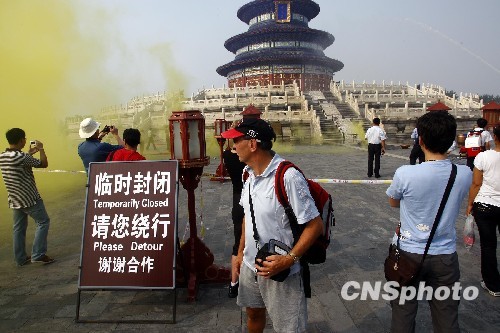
x: 356, y: 94
x: 241, y: 102
x: 353, y: 104
x: 413, y: 113
x: 270, y: 115
x: 393, y: 98
x: 353, y: 86
x: 249, y: 90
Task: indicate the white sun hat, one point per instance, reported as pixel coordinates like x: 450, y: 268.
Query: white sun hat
x: 88, y: 126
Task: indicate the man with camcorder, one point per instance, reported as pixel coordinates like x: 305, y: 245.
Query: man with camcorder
x: 270, y: 275
x: 92, y: 149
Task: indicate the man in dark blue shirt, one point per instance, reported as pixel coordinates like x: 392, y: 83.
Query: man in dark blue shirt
x: 92, y: 149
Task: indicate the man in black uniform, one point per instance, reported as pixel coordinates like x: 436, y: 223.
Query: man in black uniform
x: 235, y: 169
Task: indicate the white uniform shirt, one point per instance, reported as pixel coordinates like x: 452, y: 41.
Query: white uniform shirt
x: 485, y: 135
x: 414, y: 134
x: 375, y: 135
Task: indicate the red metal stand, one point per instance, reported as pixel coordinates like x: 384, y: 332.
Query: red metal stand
x: 197, y: 259
x: 221, y: 172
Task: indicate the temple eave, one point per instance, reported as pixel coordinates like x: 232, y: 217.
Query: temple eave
x: 323, y: 38
x: 331, y: 64
x: 307, y: 8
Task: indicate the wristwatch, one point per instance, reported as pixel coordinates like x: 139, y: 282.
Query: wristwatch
x: 295, y: 258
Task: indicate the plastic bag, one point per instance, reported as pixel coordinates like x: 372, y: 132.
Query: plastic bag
x: 469, y: 236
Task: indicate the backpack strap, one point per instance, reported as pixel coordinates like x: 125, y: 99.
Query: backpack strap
x: 279, y: 189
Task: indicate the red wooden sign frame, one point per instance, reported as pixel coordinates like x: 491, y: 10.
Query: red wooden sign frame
x: 130, y: 228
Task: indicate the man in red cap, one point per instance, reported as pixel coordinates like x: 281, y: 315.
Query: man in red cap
x: 271, y: 282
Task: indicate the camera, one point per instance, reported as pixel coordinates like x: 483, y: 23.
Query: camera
x: 32, y: 142
x: 274, y: 247
x: 106, y: 129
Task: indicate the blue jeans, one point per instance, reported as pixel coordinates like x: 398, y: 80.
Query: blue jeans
x: 42, y: 220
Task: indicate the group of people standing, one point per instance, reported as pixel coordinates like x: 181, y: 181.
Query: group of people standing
x: 259, y: 218
x: 418, y: 190
x: 94, y: 150
x: 23, y: 196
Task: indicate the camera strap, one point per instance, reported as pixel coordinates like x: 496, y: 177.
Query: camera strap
x: 252, y: 213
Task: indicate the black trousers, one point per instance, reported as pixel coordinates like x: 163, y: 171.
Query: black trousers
x: 416, y: 152
x: 237, y: 215
x: 470, y: 162
x: 488, y: 223
x: 374, y: 152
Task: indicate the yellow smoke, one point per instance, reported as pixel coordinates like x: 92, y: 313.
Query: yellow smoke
x: 56, y: 60
x: 42, y: 55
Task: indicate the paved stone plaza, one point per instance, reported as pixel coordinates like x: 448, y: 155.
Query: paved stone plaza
x: 37, y: 298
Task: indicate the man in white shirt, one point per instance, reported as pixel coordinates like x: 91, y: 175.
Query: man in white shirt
x: 265, y: 220
x: 376, y: 146
x: 485, y: 141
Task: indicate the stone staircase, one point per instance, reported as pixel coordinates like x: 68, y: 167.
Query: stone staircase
x: 346, y: 111
x: 329, y: 131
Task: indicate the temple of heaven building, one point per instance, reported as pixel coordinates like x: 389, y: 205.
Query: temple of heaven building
x: 279, y: 47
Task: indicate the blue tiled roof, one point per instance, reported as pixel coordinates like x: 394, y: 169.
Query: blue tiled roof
x: 281, y: 56
x: 279, y: 32
x: 271, y: 31
x: 308, y: 8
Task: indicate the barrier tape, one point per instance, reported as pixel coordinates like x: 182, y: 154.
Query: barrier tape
x: 325, y: 181
x: 57, y: 171
x: 318, y: 180
x: 355, y: 181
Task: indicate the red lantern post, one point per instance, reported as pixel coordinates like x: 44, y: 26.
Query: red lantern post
x: 221, y: 125
x: 188, y: 146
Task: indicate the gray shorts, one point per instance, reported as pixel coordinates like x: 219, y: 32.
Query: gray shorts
x: 285, y: 301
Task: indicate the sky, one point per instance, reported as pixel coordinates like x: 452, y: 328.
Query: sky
x: 76, y: 56
x: 61, y: 58
x: 450, y: 43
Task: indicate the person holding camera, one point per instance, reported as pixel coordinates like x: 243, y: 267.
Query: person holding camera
x: 270, y: 274
x: 23, y: 196
x: 132, y: 138
x: 92, y: 149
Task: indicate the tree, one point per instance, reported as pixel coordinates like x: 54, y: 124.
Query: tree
x: 488, y: 98
x: 450, y: 93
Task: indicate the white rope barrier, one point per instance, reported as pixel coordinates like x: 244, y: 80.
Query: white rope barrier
x: 58, y: 171
x: 318, y: 180
x: 351, y: 181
